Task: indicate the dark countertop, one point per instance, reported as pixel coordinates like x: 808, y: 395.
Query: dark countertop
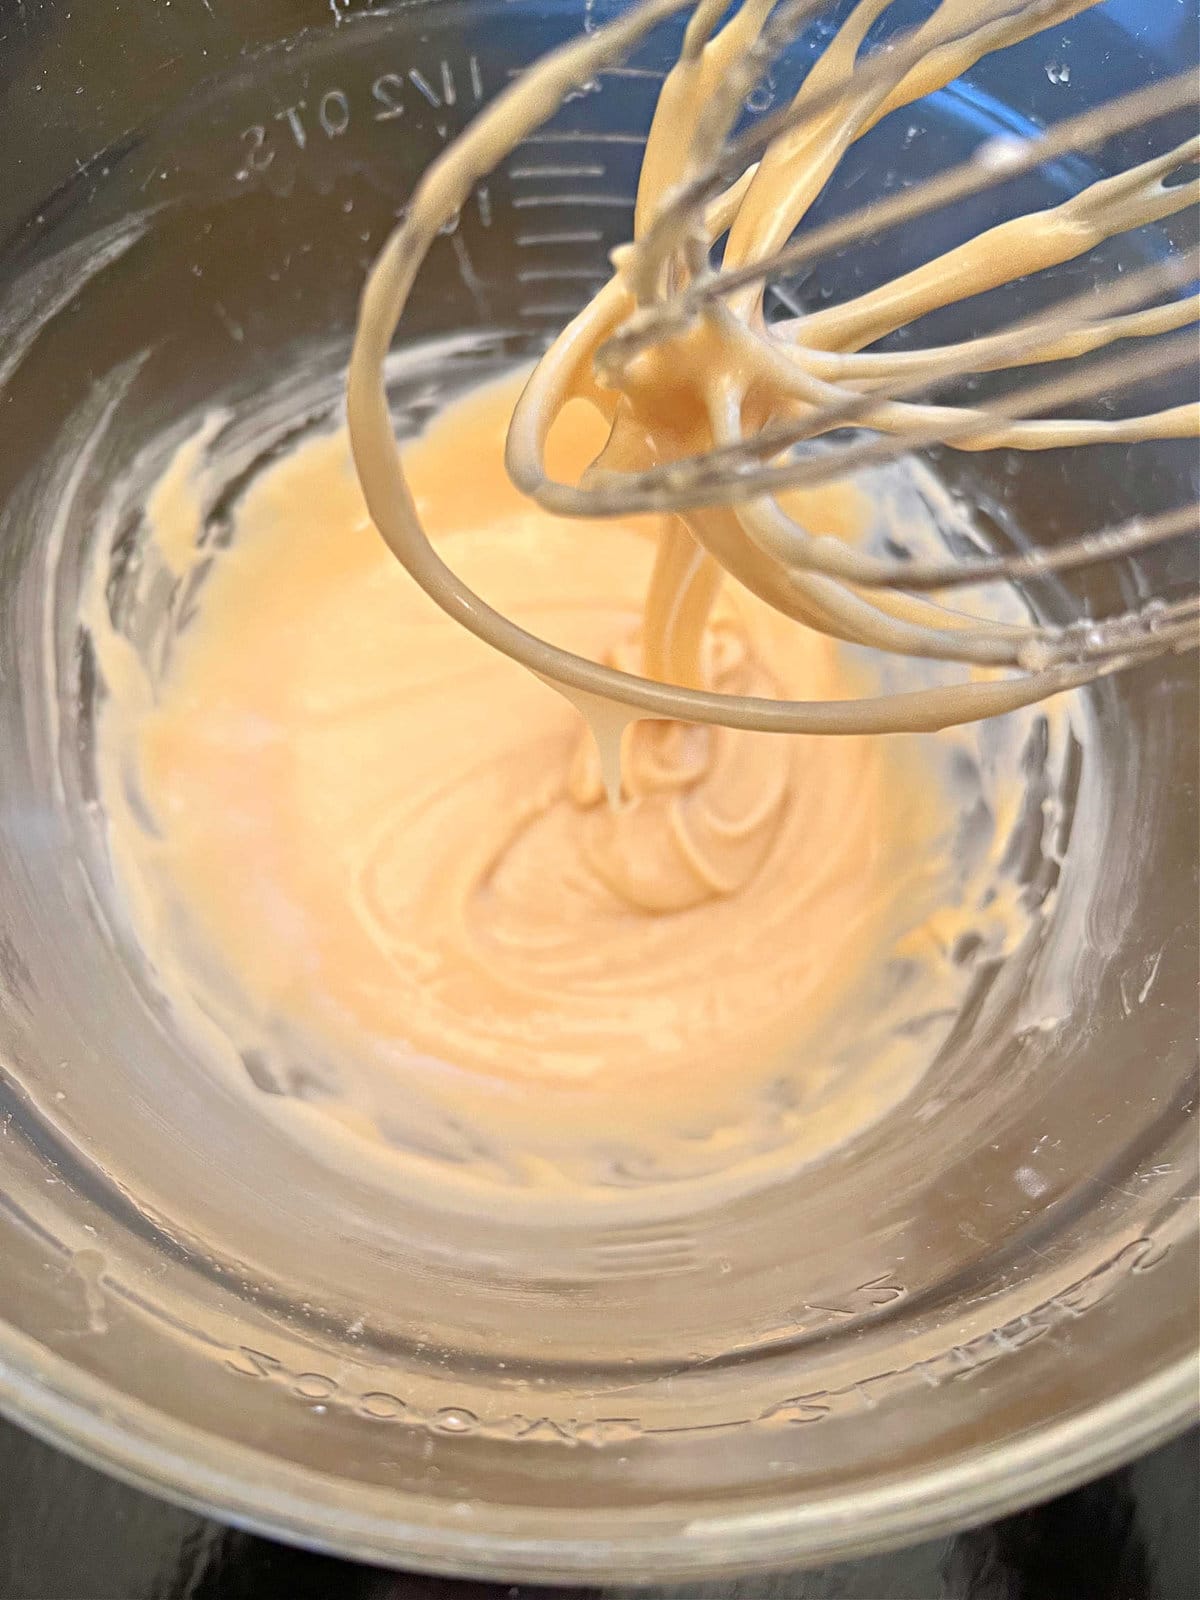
x: 68, y: 1533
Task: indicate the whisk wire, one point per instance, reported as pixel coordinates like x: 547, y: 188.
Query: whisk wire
x: 833, y: 407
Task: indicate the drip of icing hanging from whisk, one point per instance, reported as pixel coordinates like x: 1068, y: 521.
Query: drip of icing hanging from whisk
x: 716, y: 415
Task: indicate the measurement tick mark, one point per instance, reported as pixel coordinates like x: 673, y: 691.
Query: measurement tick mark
x: 648, y: 73
x: 560, y: 275
x: 522, y: 202
x: 551, y: 308
x: 531, y: 241
x: 578, y: 171
x: 579, y: 136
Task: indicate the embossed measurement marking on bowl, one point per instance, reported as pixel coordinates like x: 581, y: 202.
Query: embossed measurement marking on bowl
x: 376, y: 847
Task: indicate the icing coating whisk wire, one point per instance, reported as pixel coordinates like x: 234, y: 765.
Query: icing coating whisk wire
x: 771, y: 407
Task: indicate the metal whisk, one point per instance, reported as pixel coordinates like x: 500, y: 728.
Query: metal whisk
x: 810, y: 399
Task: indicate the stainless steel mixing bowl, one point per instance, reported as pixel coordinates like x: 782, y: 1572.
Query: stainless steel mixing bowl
x: 985, y: 1298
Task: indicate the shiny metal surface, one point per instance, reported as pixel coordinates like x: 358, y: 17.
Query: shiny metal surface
x: 987, y: 1298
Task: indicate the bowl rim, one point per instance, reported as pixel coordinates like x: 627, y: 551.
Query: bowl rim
x: 140, y: 1445
x: 143, y: 1446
